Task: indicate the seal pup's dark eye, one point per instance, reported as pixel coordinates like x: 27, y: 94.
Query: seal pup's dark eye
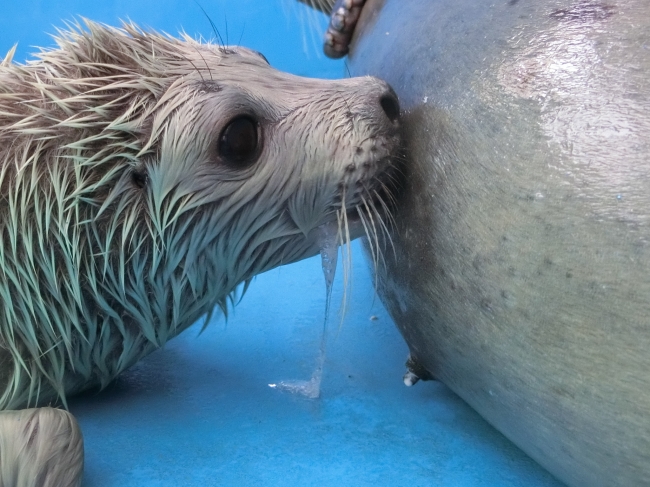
x: 239, y: 141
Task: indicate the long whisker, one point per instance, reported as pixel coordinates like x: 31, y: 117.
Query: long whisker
x: 393, y: 201
x: 196, y: 69
x: 374, y: 231
x: 375, y: 249
x: 382, y: 211
x: 206, y: 65
x: 214, y: 27
x: 242, y: 34
x: 381, y: 221
x: 344, y: 241
x: 347, y: 68
x: 366, y: 228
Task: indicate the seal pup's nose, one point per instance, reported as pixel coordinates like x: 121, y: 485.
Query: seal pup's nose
x: 390, y: 104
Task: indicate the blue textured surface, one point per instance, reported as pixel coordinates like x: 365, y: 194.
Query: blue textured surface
x: 200, y: 412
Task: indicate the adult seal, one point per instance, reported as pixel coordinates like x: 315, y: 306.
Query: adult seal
x: 522, y: 269
x: 144, y: 178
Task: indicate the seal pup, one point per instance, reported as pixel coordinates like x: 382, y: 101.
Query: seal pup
x: 144, y: 178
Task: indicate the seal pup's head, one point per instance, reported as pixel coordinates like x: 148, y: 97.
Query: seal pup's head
x: 145, y: 177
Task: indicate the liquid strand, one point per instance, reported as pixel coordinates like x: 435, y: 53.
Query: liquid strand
x: 328, y: 237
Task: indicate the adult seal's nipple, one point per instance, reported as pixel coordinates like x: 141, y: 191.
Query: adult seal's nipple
x: 415, y: 372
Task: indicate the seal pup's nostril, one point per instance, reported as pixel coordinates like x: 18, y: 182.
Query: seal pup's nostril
x: 390, y: 105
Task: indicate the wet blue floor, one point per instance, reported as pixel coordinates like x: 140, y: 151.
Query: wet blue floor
x: 200, y: 412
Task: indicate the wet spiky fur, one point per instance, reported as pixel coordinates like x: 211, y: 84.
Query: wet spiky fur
x: 40, y: 447
x: 120, y: 226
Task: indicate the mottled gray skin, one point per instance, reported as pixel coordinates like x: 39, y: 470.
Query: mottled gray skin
x: 522, y: 270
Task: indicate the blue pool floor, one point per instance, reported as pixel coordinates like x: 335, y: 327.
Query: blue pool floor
x: 200, y: 412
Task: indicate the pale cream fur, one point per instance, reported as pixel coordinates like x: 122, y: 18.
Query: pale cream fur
x: 40, y: 448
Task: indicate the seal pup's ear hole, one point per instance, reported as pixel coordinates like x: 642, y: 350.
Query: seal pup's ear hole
x: 139, y: 177
x: 240, y: 144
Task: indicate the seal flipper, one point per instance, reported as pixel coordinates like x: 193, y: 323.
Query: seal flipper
x: 343, y: 20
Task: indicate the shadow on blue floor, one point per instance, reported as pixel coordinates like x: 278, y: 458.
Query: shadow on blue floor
x: 200, y: 412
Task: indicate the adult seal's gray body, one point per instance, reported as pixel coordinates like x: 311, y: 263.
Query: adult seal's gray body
x: 145, y: 177
x: 522, y: 271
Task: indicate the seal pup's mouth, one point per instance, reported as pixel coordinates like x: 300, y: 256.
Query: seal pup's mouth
x: 363, y: 208
x: 368, y: 169
x: 369, y: 216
